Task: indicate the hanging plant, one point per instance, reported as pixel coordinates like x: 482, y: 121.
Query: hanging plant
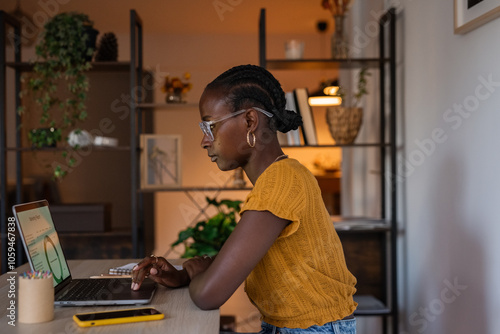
x: 64, y: 53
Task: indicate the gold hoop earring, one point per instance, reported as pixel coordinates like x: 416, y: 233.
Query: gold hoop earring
x: 248, y: 138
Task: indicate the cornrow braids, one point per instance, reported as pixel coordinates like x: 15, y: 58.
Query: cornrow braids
x: 250, y: 85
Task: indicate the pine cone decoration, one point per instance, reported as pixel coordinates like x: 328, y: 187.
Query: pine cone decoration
x: 107, y: 49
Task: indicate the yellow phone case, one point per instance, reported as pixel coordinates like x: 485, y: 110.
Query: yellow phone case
x: 119, y: 320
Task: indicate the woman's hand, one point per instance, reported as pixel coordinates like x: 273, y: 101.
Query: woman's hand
x: 159, y: 270
x: 196, y: 265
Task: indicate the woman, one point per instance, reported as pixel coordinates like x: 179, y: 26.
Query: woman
x: 284, y: 247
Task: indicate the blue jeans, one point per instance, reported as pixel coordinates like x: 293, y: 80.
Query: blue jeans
x: 347, y: 326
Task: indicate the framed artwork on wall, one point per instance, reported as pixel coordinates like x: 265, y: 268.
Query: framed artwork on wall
x: 470, y: 14
x: 160, y: 161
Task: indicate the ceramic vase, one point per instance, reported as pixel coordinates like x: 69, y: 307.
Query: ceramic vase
x: 340, y: 48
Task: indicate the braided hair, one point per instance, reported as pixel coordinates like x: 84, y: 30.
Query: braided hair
x: 249, y: 86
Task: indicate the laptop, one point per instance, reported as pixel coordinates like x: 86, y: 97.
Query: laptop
x: 44, y: 252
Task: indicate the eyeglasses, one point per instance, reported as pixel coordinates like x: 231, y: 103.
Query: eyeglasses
x: 207, y: 126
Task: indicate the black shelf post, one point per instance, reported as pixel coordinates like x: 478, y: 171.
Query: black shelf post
x: 15, y: 38
x: 262, y: 38
x: 136, y: 64
x: 393, y: 139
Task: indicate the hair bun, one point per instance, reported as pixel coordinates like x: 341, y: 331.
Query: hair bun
x: 288, y: 120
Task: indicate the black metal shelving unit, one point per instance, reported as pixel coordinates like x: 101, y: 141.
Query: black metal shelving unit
x: 387, y: 305
x: 134, y: 67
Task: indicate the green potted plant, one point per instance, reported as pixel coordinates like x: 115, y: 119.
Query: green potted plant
x: 208, y: 236
x: 64, y: 52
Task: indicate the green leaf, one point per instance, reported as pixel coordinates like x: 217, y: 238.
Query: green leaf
x: 235, y: 205
x: 208, y: 233
x: 213, y: 202
x: 184, y: 235
x: 207, y: 237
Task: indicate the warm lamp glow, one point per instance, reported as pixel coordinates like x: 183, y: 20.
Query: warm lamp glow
x: 331, y: 90
x: 325, y: 101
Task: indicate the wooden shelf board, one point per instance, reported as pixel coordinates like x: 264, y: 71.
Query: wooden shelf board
x: 167, y: 106
x: 316, y: 64
x: 338, y: 145
x: 369, y: 305
x: 57, y: 149
x: 117, y: 233
x: 195, y: 189
x: 359, y: 224
x: 112, y: 66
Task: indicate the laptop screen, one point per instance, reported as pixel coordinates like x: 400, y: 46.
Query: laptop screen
x: 40, y: 239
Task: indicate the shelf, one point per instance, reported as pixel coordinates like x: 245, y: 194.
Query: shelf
x: 370, y: 245
x: 57, y: 149
x: 369, y: 305
x: 118, y: 233
x: 319, y: 64
x: 168, y: 106
x: 195, y: 189
x: 130, y: 243
x: 338, y: 145
x: 359, y: 224
x: 112, y: 66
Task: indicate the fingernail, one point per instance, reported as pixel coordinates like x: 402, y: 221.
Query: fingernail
x: 134, y: 286
x: 135, y: 267
x: 153, y: 271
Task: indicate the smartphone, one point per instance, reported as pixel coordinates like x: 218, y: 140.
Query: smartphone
x: 117, y: 317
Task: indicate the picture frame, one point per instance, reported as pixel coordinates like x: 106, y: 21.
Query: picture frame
x: 471, y: 14
x: 160, y: 161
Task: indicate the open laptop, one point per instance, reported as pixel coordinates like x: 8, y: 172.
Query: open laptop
x: 44, y: 252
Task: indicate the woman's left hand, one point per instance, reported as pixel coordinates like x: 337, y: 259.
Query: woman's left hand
x: 159, y: 270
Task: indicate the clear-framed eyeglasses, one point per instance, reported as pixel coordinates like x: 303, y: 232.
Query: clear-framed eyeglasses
x: 207, y: 126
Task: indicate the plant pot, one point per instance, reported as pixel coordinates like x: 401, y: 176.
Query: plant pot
x: 91, y: 40
x: 344, y: 123
x: 44, y: 137
x: 174, y: 97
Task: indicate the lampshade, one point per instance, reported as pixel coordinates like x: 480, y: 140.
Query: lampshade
x: 327, y: 96
x: 324, y: 101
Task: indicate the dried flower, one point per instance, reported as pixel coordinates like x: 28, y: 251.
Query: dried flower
x: 337, y: 7
x: 175, y: 84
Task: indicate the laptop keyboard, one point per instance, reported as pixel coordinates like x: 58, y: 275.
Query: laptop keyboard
x: 92, y: 289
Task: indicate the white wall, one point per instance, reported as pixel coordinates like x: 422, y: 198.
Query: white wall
x: 450, y: 212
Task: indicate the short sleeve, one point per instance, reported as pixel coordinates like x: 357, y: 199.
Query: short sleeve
x: 278, y: 190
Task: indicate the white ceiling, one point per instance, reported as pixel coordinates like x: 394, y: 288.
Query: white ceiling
x: 188, y: 16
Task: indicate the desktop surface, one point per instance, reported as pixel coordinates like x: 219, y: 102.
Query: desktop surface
x: 181, y: 314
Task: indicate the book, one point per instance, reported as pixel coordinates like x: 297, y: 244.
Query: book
x: 292, y: 137
x: 122, y: 270
x: 308, y: 127
x: 127, y: 269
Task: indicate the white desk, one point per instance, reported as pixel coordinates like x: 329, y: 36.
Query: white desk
x: 181, y: 314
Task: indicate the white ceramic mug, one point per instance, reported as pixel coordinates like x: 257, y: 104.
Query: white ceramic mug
x: 294, y: 49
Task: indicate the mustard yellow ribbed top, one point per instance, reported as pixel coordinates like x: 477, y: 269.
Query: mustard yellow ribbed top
x: 303, y: 279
